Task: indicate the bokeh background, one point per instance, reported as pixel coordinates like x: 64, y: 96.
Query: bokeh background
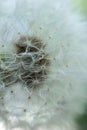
x: 82, y: 5
x: 82, y: 119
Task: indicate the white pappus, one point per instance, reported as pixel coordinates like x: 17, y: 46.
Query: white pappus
x: 43, y: 65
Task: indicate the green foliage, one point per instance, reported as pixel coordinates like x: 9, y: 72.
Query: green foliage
x: 83, y: 5
x: 82, y: 120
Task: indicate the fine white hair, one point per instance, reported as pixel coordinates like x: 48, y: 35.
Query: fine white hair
x: 55, y: 103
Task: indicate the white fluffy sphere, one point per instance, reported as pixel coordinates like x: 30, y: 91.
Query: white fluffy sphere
x: 60, y: 93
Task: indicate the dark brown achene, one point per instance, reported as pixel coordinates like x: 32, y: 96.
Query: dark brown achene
x: 29, y: 65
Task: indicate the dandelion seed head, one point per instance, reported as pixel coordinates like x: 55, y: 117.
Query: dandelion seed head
x: 28, y: 65
x: 42, y: 65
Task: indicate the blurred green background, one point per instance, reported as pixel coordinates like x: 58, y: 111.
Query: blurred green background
x: 82, y: 119
x: 82, y: 5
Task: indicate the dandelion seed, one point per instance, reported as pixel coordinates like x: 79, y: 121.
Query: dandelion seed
x: 43, y: 47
